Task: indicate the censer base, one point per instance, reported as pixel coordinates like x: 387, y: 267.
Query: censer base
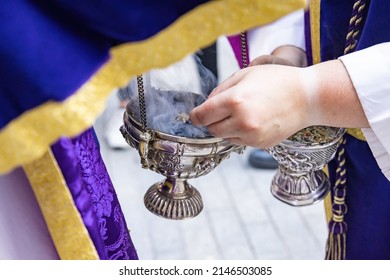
x: 299, y: 189
x: 173, y: 199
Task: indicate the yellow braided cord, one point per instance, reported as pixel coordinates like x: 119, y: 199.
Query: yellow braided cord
x: 336, y: 249
x: 336, y: 243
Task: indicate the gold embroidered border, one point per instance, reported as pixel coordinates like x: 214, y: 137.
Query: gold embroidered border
x: 28, y: 137
x: 65, y: 224
x: 315, y: 17
x: 357, y: 133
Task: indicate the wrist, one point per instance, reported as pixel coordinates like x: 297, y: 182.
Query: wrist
x: 331, y: 95
x: 310, y: 91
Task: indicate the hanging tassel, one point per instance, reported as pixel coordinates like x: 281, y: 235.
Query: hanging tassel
x: 336, y: 243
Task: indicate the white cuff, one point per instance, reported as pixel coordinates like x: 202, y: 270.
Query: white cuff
x: 369, y: 70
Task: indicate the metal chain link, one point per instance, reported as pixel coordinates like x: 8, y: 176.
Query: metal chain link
x: 141, y: 99
x: 244, y: 54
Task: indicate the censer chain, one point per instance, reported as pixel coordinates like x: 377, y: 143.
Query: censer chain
x: 244, y: 61
x: 142, y: 104
x: 244, y: 54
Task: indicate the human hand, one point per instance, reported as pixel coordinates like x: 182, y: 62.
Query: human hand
x: 284, y: 55
x: 262, y: 105
x: 270, y: 59
x: 258, y: 106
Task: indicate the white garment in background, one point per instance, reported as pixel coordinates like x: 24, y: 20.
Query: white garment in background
x: 288, y: 30
x: 23, y: 231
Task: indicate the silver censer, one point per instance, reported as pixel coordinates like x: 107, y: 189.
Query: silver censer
x: 299, y: 180
x: 175, y: 157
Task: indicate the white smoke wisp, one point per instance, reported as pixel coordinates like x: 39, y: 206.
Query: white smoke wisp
x: 170, y: 94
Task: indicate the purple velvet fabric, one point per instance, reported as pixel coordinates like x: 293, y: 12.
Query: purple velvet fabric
x: 90, y: 185
x: 309, y: 53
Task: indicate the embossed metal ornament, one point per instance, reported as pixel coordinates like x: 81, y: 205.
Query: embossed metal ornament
x: 299, y: 179
x: 175, y: 157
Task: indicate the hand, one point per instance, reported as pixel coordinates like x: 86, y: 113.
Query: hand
x: 258, y: 106
x: 284, y: 55
x: 270, y: 59
x: 262, y: 105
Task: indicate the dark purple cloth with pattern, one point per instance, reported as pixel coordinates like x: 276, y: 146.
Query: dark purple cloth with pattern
x: 90, y: 185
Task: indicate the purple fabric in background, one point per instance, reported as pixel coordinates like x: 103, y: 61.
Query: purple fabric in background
x: 235, y: 43
x: 90, y: 185
x: 309, y: 51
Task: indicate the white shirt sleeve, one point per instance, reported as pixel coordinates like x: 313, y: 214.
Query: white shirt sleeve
x: 288, y: 30
x: 369, y: 70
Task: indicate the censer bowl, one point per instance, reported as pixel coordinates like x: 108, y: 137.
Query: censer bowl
x: 178, y: 159
x: 300, y: 179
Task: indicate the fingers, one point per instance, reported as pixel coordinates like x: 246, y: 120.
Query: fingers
x: 213, y: 110
x: 263, y: 59
x: 217, y: 107
x: 226, y: 128
x: 239, y: 132
x: 270, y: 59
x: 236, y: 141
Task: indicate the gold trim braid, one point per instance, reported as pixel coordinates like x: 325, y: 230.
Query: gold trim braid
x: 28, y: 137
x: 327, y: 200
x: 65, y: 224
x: 357, y: 133
x: 315, y: 17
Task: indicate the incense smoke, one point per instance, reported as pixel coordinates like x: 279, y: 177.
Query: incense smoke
x: 170, y: 94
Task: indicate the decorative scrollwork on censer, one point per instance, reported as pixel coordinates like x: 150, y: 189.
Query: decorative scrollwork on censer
x: 171, y: 163
x: 299, y: 162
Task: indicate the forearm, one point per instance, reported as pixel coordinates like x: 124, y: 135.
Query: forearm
x: 332, y: 96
